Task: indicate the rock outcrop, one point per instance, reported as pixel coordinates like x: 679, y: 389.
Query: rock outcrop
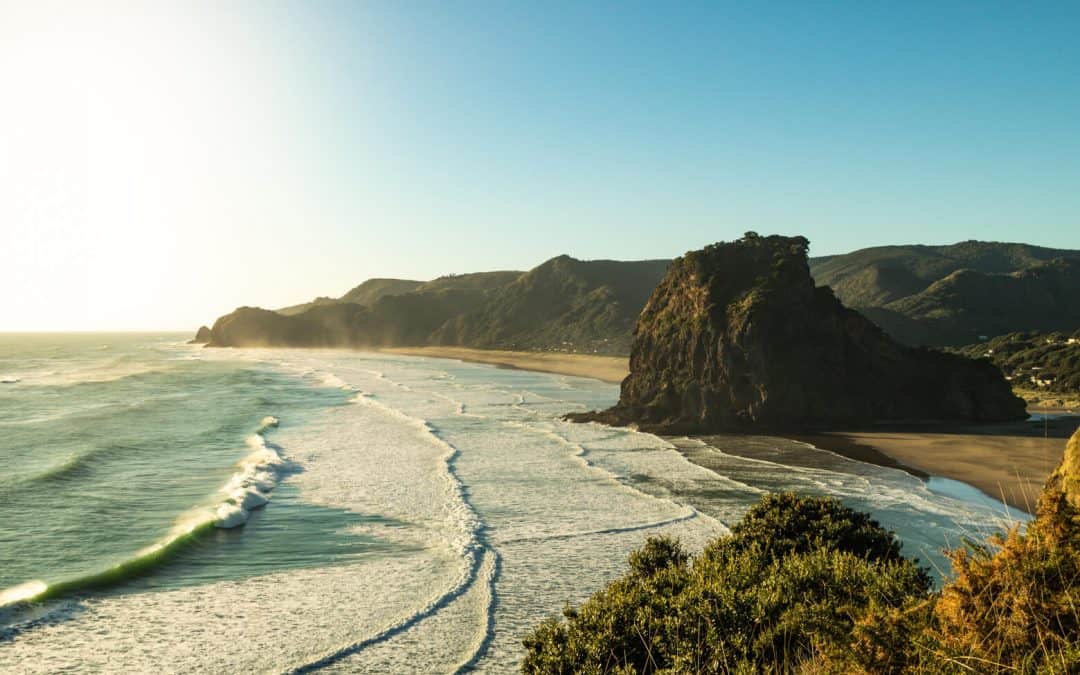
x: 202, y: 336
x: 738, y: 337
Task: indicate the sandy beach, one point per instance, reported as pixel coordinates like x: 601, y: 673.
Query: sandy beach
x: 606, y: 368
x: 1008, y: 462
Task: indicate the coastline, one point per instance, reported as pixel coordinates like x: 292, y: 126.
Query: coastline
x: 610, y: 369
x: 1009, y: 462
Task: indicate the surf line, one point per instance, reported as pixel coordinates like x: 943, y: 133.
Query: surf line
x: 246, y: 490
x: 475, y: 549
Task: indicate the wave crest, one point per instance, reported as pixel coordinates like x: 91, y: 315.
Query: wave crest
x: 248, y: 489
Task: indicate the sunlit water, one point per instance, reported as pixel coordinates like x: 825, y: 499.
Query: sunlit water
x: 405, y: 515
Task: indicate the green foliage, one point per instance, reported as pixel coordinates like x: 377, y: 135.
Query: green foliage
x: 806, y: 585
x: 1048, y: 357
x: 749, y: 602
x: 784, y: 524
x: 1018, y: 608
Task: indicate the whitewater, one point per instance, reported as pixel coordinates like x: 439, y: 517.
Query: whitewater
x: 169, y: 508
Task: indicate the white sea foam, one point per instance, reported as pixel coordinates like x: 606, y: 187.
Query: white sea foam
x: 268, y: 422
x: 492, y: 514
x: 249, y: 488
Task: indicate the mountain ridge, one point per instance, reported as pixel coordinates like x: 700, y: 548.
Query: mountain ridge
x: 942, y: 296
x: 563, y: 304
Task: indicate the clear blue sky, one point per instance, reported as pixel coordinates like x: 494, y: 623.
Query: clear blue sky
x: 295, y: 149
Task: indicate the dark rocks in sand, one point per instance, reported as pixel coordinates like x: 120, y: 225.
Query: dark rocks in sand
x: 738, y: 337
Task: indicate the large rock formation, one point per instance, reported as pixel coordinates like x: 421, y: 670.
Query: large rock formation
x: 202, y: 336
x: 737, y: 337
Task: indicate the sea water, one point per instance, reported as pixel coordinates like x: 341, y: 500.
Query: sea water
x: 169, y: 508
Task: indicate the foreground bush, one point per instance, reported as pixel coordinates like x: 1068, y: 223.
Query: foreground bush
x: 808, y: 585
x: 1019, y: 609
x: 787, y: 586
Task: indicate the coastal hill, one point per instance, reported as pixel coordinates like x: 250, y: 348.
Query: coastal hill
x: 589, y: 305
x: 737, y: 336
x: 952, y: 295
x: 564, y: 304
x: 968, y: 305
x: 873, y: 277
x: 921, y: 295
x: 372, y: 290
x: 1047, y: 362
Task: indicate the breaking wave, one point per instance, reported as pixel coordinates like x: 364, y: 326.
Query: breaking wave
x: 246, y: 490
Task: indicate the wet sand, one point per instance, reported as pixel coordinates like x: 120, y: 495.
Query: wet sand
x: 606, y: 368
x: 1008, y: 462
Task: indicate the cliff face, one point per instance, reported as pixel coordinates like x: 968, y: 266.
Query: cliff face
x: 737, y: 336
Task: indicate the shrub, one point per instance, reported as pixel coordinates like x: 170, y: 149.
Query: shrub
x: 808, y: 585
x: 1018, y: 609
x: 787, y: 586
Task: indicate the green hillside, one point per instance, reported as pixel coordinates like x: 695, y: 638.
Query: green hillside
x: 873, y: 277
x: 921, y: 295
x: 954, y: 295
x: 372, y: 290
x: 562, y: 305
x: 1046, y: 361
x: 967, y: 305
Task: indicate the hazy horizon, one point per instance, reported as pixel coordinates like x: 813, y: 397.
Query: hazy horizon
x: 161, y: 165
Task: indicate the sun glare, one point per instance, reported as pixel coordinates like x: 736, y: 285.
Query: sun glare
x: 113, y: 138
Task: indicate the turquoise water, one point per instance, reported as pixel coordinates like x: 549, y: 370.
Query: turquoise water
x: 109, y: 441
x: 168, y: 508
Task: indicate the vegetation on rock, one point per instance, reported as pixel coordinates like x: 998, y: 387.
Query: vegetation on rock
x: 737, y: 336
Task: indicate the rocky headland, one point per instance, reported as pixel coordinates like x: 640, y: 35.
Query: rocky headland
x: 737, y: 337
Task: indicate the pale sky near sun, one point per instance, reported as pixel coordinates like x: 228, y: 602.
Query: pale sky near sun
x: 163, y: 163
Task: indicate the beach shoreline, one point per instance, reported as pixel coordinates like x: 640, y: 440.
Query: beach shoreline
x: 1009, y: 462
x: 611, y: 369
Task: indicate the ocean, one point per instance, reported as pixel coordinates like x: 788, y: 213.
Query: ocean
x: 169, y: 508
